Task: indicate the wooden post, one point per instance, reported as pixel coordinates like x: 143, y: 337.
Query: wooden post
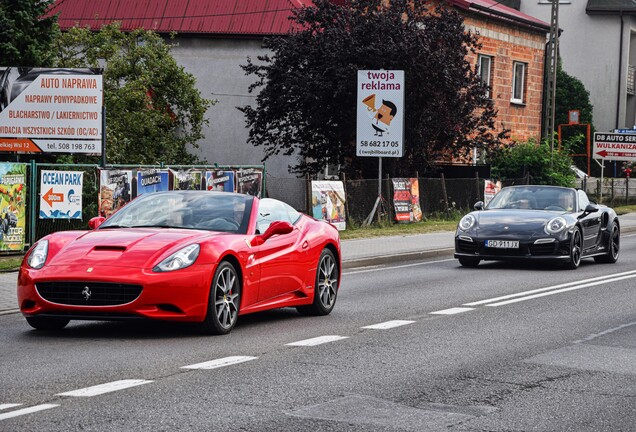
x: 344, y: 185
x: 445, y: 195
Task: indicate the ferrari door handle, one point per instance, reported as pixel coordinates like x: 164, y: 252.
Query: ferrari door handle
x: 305, y: 244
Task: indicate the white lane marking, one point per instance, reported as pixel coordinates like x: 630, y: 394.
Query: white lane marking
x: 603, y: 333
x: 388, y: 325
x: 377, y: 268
x: 7, y: 406
x: 526, y: 293
x: 577, y: 287
x: 105, y: 388
x: 317, y: 340
x: 25, y: 411
x: 225, y: 361
x: 452, y: 311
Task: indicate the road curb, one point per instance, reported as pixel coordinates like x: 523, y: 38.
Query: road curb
x: 389, y: 259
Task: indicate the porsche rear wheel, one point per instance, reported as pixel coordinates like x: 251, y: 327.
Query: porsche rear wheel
x: 468, y: 262
x: 613, y: 246
x: 326, y: 288
x: 224, y: 300
x: 576, y: 249
x: 47, y: 323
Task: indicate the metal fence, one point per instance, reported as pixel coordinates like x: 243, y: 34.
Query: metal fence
x: 439, y: 197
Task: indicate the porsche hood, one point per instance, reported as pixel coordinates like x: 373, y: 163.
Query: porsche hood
x: 513, y: 222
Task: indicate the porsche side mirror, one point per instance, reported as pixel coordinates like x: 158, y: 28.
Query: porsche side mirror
x: 277, y: 228
x: 93, y: 223
x: 591, y: 208
x: 479, y: 205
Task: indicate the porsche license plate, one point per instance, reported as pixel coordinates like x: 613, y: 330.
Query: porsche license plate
x: 502, y: 244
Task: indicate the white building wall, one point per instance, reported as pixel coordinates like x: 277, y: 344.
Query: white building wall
x: 590, y: 50
x: 215, y: 63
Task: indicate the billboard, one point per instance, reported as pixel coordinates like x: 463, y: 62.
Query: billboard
x: 380, y: 113
x: 51, y: 110
x: 328, y: 202
x: 12, y: 206
x: 61, y: 194
x: 115, y: 190
x: 406, y: 200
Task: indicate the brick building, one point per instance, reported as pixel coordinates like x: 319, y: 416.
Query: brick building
x: 511, y: 61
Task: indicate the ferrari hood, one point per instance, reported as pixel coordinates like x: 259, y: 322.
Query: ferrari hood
x: 121, y: 247
x: 513, y: 222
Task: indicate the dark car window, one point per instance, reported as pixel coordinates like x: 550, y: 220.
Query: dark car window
x: 271, y: 210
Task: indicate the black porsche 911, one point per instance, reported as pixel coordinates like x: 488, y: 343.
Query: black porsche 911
x: 548, y: 223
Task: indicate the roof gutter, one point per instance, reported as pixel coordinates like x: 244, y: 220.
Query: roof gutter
x: 503, y: 15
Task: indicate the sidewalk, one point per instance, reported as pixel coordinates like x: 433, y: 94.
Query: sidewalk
x: 355, y: 253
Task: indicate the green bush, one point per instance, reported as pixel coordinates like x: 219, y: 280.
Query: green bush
x: 533, y: 160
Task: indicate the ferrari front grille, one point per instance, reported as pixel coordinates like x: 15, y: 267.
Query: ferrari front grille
x: 88, y: 293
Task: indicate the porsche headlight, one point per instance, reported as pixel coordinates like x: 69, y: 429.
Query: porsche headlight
x: 467, y: 222
x: 38, y: 255
x: 181, y: 259
x: 555, y: 225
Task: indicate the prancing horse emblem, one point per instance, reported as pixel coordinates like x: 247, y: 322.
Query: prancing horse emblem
x: 86, y: 293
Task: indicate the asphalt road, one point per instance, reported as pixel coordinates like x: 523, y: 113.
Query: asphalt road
x: 557, y: 353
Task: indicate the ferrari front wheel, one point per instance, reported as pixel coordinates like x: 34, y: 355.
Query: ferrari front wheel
x: 47, y: 323
x: 613, y: 246
x: 326, y: 288
x: 224, y: 300
x: 576, y: 249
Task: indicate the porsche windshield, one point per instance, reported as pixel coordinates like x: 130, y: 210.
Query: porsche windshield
x: 534, y: 198
x: 203, y: 210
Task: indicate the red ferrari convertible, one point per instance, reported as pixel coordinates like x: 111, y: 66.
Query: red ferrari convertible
x: 196, y: 256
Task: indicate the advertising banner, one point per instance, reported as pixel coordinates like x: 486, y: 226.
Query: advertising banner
x: 490, y: 190
x: 114, y: 190
x: 61, y: 194
x: 328, y: 202
x: 12, y: 206
x: 50, y: 110
x: 249, y: 181
x: 152, y: 180
x: 220, y: 180
x: 406, y: 200
x: 188, y: 180
x: 380, y: 113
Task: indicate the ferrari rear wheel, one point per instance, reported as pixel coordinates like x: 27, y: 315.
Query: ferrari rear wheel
x: 613, y: 246
x: 224, y: 300
x: 576, y: 249
x: 468, y: 262
x: 326, y: 288
x: 47, y: 323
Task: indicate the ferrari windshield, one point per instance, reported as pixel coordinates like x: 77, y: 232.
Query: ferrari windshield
x: 535, y: 198
x: 203, y: 210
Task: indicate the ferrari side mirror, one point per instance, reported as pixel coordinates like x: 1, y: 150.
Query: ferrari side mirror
x: 93, y: 223
x: 277, y: 228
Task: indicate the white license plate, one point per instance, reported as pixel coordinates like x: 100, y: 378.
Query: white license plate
x: 503, y: 244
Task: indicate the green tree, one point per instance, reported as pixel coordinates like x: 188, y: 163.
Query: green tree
x: 154, y: 111
x: 25, y: 37
x: 535, y: 161
x: 308, y: 86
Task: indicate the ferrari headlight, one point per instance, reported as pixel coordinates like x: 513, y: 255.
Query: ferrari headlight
x: 181, y: 259
x: 467, y: 222
x: 555, y: 225
x: 38, y: 255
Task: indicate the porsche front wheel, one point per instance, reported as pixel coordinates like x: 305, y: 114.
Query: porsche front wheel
x: 576, y: 249
x: 326, y: 288
x: 224, y: 300
x: 613, y: 246
x: 47, y: 323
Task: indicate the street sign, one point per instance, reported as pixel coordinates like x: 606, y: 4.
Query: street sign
x: 614, y: 146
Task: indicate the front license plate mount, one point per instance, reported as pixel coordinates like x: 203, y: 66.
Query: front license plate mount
x: 502, y: 244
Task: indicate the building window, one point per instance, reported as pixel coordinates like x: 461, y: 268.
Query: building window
x: 484, y: 66
x: 518, y: 82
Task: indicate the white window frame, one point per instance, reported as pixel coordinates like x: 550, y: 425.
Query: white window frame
x: 516, y: 85
x: 485, y: 78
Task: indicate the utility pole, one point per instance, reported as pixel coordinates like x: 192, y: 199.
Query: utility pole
x: 552, y: 59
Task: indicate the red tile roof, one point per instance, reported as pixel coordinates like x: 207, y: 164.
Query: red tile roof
x: 226, y: 17
x: 496, y: 10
